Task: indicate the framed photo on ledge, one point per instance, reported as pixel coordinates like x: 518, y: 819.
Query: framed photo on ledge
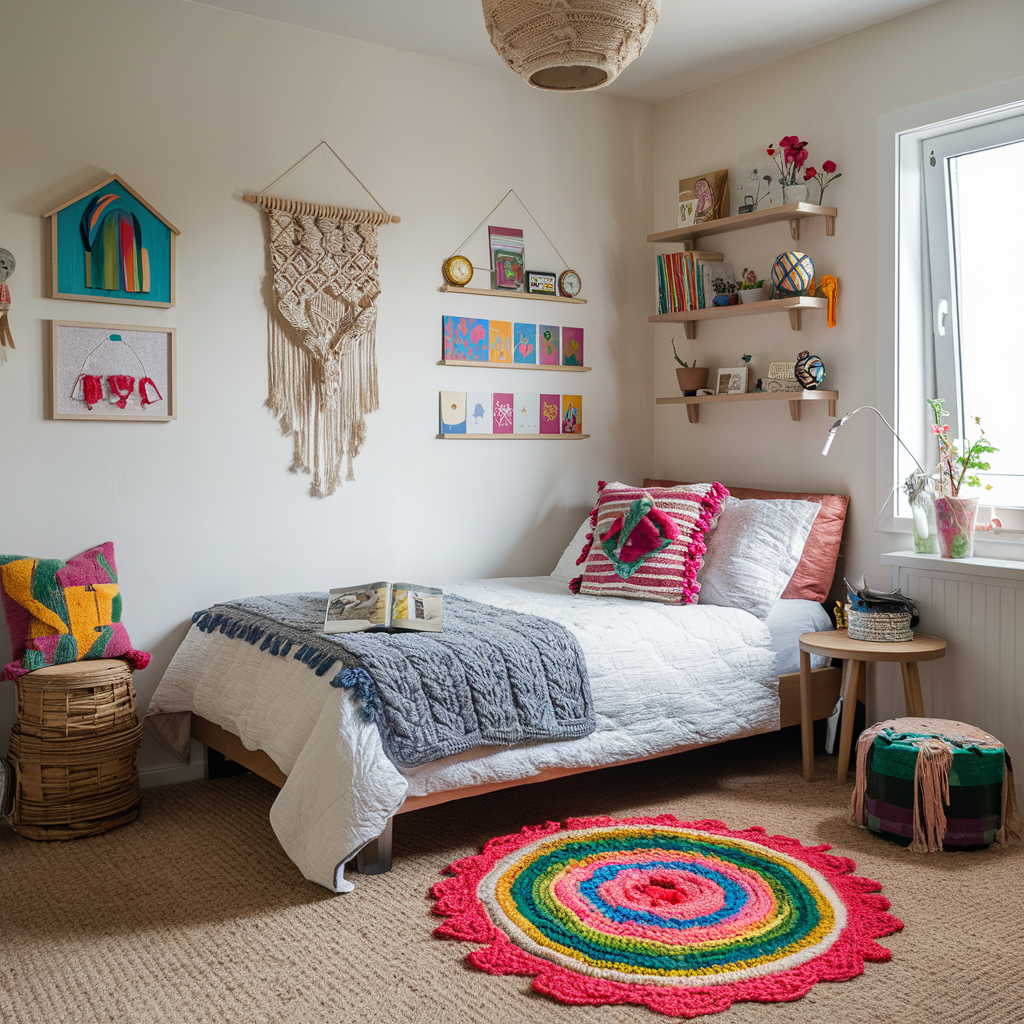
x: 732, y: 380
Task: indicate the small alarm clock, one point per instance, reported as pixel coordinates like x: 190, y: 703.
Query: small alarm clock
x: 569, y: 284
x: 458, y: 271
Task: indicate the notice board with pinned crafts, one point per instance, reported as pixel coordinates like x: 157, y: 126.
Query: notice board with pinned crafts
x: 112, y: 372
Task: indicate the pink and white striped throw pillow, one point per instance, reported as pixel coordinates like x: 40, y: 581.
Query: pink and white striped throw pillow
x: 647, y: 543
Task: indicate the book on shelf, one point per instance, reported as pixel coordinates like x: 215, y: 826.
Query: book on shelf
x: 685, y: 280
x: 384, y: 606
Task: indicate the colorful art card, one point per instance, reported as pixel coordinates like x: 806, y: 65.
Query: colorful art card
x: 508, y: 270
x: 549, y: 345
x: 479, y: 413
x: 453, y: 412
x: 500, y: 341
x: 572, y: 346
x: 524, y: 340
x: 572, y: 414
x: 550, y: 414
x: 504, y: 413
x: 526, y: 419
x: 465, y: 338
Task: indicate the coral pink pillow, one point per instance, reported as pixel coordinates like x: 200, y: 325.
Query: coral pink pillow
x: 58, y: 612
x: 647, y: 542
x: 813, y: 577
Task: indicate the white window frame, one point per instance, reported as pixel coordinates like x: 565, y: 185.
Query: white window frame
x: 905, y: 307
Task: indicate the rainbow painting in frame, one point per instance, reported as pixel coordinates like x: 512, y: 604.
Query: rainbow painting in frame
x: 109, y: 245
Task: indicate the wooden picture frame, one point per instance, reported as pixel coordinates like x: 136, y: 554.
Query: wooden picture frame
x: 107, y: 244
x: 731, y: 380
x: 85, y: 356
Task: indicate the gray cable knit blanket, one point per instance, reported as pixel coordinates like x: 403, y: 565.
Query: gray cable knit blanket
x: 491, y: 677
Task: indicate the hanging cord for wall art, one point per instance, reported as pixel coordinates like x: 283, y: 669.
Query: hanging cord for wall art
x: 510, y: 192
x: 318, y: 209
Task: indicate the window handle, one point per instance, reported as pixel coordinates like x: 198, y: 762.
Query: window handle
x: 940, y: 317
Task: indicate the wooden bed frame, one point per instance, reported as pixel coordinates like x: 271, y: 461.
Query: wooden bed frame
x: 818, y: 701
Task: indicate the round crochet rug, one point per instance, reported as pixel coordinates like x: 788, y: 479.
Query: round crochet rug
x: 684, y: 917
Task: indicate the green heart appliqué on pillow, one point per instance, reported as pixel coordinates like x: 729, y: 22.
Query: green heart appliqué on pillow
x: 633, y: 538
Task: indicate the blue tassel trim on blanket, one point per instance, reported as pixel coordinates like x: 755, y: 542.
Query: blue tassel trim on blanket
x: 356, y: 679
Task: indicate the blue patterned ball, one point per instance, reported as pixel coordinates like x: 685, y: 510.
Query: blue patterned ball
x: 793, y: 273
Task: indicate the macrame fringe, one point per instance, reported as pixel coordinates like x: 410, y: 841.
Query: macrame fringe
x: 931, y: 791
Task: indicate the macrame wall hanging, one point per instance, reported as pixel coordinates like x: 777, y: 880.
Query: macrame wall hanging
x: 322, y: 323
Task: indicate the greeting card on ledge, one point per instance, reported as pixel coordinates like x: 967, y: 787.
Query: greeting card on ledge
x: 479, y: 414
x: 527, y: 414
x: 504, y: 416
x: 453, y: 412
x: 572, y: 414
x: 572, y: 346
x: 549, y: 344
x: 550, y: 414
x: 465, y: 338
x: 500, y: 348
x: 508, y: 241
x: 524, y: 337
x: 508, y: 270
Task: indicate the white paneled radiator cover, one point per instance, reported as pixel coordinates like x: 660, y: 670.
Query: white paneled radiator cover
x: 977, y: 607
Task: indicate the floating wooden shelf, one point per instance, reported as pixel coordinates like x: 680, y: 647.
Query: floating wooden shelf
x: 793, y: 212
x: 512, y: 366
x: 507, y: 293
x: 689, y: 317
x: 512, y: 437
x: 795, y: 399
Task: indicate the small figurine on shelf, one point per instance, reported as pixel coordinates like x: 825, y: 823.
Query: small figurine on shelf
x: 809, y: 371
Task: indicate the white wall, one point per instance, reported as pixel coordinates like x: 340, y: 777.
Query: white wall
x: 194, y: 106
x: 831, y: 95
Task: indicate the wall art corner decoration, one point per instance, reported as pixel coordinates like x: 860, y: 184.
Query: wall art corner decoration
x: 108, y: 244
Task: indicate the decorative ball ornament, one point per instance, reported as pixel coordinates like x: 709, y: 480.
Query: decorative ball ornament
x: 793, y: 274
x: 809, y: 371
x: 569, y: 45
x: 569, y: 284
x: 457, y: 270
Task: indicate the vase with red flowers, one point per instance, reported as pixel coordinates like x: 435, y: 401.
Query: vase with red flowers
x: 955, y: 514
x: 795, y: 176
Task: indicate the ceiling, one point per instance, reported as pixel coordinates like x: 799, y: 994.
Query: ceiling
x: 694, y: 43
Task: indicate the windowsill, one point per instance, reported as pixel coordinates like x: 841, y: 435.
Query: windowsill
x: 1002, y: 568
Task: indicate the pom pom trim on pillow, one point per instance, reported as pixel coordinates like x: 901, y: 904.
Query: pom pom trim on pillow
x: 670, y: 580
x: 61, y: 612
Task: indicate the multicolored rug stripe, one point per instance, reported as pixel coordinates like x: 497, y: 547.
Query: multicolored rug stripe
x: 683, y: 917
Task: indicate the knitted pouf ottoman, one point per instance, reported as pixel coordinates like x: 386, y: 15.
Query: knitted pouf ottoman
x: 933, y: 785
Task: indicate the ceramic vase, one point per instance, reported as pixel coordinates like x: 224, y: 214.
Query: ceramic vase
x: 752, y: 294
x: 692, y: 378
x: 922, y: 508
x: 954, y: 520
x: 795, y: 193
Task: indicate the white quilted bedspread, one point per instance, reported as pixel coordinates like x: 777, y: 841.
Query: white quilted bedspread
x: 662, y: 677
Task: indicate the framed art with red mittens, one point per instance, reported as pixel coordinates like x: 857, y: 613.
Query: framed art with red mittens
x: 112, y: 372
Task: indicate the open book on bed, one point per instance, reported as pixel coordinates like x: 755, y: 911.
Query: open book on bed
x: 383, y: 605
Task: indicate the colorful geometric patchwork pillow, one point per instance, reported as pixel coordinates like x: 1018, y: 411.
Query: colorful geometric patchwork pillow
x: 647, y: 543
x: 59, y: 612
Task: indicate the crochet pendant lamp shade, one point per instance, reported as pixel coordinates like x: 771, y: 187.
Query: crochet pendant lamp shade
x: 569, y: 45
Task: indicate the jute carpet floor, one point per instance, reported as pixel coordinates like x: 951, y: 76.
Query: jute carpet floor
x: 193, y: 914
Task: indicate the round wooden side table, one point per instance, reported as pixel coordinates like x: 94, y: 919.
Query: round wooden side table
x: 834, y: 643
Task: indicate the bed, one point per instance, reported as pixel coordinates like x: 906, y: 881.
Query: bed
x: 664, y: 678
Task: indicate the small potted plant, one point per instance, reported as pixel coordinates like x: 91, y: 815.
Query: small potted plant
x: 691, y: 378
x: 750, y: 287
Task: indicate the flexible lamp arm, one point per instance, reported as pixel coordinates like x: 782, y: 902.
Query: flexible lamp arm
x: 838, y: 423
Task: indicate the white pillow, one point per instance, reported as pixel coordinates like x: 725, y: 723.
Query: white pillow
x: 752, y: 552
x: 567, y: 570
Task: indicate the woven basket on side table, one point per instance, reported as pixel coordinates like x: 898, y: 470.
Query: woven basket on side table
x: 74, y: 748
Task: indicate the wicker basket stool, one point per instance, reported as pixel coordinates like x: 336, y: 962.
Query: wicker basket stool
x: 933, y: 784
x: 74, y: 748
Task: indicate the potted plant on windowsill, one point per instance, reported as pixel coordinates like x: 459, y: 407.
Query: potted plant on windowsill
x: 691, y: 378
x: 955, y: 515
